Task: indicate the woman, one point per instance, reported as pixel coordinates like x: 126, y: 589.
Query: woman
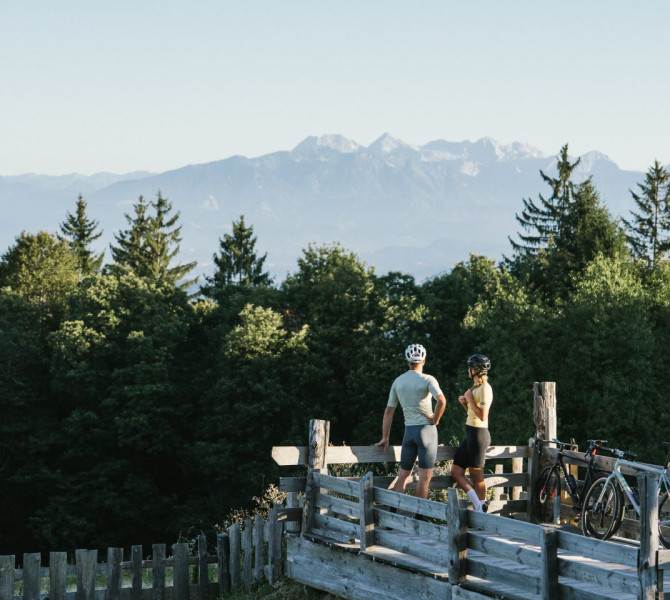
x: 471, y: 454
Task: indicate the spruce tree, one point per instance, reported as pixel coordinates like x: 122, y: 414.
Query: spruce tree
x: 80, y: 232
x: 237, y: 262
x: 151, y: 244
x: 649, y: 228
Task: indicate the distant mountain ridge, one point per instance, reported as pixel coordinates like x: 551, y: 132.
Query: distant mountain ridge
x: 403, y: 207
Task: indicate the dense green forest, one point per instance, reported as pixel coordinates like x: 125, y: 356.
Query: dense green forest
x: 135, y: 410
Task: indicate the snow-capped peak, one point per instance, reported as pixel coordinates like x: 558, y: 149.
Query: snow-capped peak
x: 333, y: 142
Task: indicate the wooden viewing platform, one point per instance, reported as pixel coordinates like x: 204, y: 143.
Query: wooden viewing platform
x: 350, y: 544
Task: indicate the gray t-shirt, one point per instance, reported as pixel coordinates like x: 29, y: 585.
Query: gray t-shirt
x: 414, y: 391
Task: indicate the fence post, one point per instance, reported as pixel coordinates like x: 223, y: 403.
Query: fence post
x: 319, y: 432
x: 203, y: 568
x: 158, y: 582
x: 533, y: 473
x: 648, y: 556
x: 87, y: 564
x: 223, y: 557
x: 180, y: 584
x: 367, y: 517
x: 548, y: 552
x: 57, y: 575
x: 114, y: 560
x: 457, y: 533
x: 544, y: 409
x: 32, y: 562
x: 7, y: 577
x: 234, y: 556
x: 258, y: 548
x: 247, y: 548
x: 136, y: 570
x: 517, y: 467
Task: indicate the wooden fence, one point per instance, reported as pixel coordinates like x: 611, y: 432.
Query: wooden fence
x: 245, y: 553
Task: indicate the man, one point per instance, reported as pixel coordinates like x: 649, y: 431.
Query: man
x: 414, y: 391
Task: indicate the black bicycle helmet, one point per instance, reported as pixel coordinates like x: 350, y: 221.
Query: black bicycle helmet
x: 479, y: 363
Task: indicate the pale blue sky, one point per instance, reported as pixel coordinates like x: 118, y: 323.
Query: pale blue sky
x: 89, y: 86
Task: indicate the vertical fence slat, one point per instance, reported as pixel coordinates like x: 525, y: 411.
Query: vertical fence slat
x: 7, y: 563
x: 203, y: 568
x: 517, y: 467
x: 366, y: 514
x: 548, y: 553
x: 180, y: 571
x: 158, y: 583
x: 648, y: 555
x: 247, y: 548
x: 114, y: 580
x: 292, y: 502
x: 136, y: 572
x: 32, y: 562
x: 496, y: 492
x: 223, y: 557
x: 258, y: 548
x: 457, y: 533
x: 234, y: 542
x: 276, y: 544
x: 57, y: 575
x: 87, y: 564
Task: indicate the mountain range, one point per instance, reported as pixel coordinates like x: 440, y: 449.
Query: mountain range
x: 400, y: 207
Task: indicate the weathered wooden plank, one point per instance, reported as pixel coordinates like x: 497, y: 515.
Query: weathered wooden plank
x: 158, y: 572
x: 235, y: 543
x: 203, y: 568
x: 247, y: 551
x: 57, y: 575
x: 299, y: 455
x: 87, y: 561
x: 292, y: 504
x: 7, y: 563
x: 114, y: 578
x: 180, y: 570
x: 505, y: 572
x: 32, y: 563
x: 606, y: 575
x: 339, y: 485
x: 504, y: 547
x: 136, y: 573
x: 411, y: 504
x: 347, y: 530
x: 646, y: 569
x: 579, y: 590
x: 258, y: 547
x: 436, y: 554
x: 509, y: 527
x: 549, y: 569
x: 663, y: 560
x: 366, y: 512
x: 223, y: 557
x: 598, y: 549
x: 356, y: 577
x: 457, y: 542
x: 430, y: 531
x: 275, y: 545
x: 336, y: 505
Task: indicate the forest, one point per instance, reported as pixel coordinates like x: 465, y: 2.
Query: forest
x: 140, y: 406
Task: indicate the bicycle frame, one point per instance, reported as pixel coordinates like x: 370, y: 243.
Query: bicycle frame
x: 616, y: 473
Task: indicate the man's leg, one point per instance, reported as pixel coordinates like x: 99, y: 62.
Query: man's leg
x: 425, y: 476
x: 401, y: 481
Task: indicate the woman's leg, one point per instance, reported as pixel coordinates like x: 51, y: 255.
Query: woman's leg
x: 477, y: 476
x: 458, y: 475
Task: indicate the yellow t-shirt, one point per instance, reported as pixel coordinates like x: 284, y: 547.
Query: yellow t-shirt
x: 483, y: 396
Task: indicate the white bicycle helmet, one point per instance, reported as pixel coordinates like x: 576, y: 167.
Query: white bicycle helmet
x: 415, y: 353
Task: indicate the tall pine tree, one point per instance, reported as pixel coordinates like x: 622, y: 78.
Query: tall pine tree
x: 648, y: 231
x: 237, y: 262
x: 80, y: 232
x: 151, y: 244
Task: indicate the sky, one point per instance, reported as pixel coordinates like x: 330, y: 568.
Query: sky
x: 88, y: 86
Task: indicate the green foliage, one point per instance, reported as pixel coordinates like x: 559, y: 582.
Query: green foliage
x: 80, y: 232
x: 237, y: 262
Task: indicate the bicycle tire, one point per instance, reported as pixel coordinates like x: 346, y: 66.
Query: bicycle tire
x: 603, y: 520
x: 548, y: 486
x: 664, y: 519
x: 582, y: 489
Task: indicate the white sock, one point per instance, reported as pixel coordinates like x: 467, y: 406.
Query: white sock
x: 476, y: 502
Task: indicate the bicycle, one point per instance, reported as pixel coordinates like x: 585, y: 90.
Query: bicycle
x: 602, y: 511
x: 548, y: 488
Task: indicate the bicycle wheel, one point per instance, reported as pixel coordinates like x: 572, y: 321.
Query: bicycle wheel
x: 547, y: 488
x: 664, y: 519
x: 601, y: 519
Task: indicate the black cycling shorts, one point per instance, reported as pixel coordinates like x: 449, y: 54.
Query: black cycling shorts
x: 421, y: 441
x: 472, y: 451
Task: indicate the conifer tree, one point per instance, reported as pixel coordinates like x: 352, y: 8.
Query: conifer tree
x: 151, y: 244
x: 237, y: 262
x: 648, y: 231
x: 545, y: 219
x: 80, y: 232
